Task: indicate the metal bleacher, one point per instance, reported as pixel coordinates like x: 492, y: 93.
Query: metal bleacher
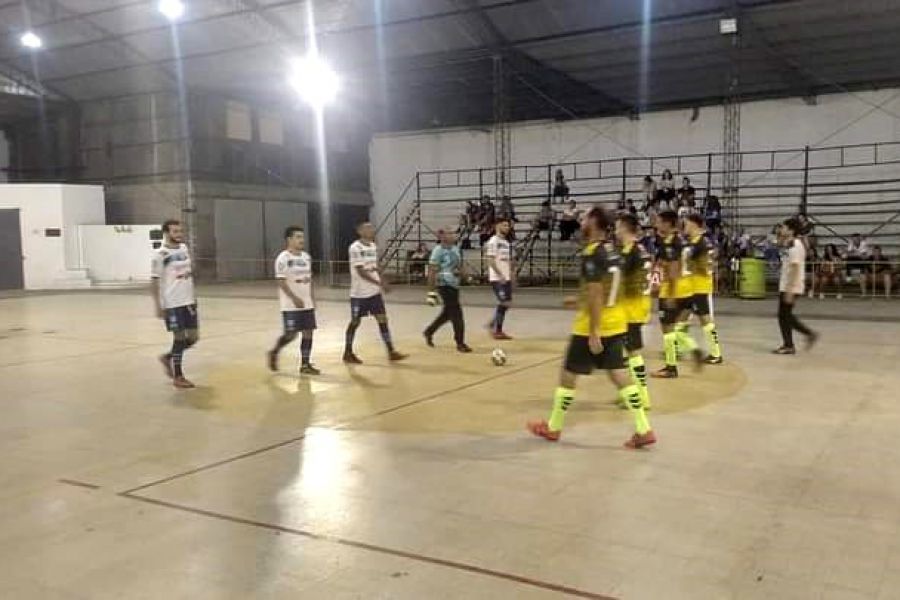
x: 842, y: 189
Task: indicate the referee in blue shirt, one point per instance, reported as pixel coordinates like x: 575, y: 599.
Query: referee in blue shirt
x: 445, y: 269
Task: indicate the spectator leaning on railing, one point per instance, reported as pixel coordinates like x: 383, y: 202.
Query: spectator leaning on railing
x: 829, y: 271
x: 667, y: 188
x: 560, y: 187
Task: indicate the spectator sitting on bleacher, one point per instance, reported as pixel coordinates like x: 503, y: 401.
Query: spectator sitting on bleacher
x: 569, y: 221
x: 667, y: 188
x: 506, y: 210
x: 880, y: 269
x: 630, y: 208
x: 464, y: 231
x: 687, y: 195
x: 560, y: 187
x: 829, y: 271
x: 486, y: 220
x: 417, y: 261
x: 856, y: 256
x: 544, y: 221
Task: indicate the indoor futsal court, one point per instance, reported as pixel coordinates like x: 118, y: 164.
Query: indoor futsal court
x: 449, y: 299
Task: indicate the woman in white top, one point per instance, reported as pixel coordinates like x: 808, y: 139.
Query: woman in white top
x: 790, y: 287
x: 667, y: 187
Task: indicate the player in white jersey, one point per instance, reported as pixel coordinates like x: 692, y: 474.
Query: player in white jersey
x: 293, y: 270
x: 173, y: 295
x: 501, y: 274
x: 366, y: 289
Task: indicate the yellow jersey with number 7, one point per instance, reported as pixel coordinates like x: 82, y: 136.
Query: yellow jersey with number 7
x: 600, y: 263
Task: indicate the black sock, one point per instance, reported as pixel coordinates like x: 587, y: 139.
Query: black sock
x: 284, y: 340
x: 501, y: 316
x: 305, y: 348
x: 386, y: 336
x: 177, y: 354
x: 349, y: 335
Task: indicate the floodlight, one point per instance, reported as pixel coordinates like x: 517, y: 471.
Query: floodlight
x: 728, y: 26
x: 172, y: 9
x: 31, y: 40
x: 313, y: 80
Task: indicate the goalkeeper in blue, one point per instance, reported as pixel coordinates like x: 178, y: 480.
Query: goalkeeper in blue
x: 445, y: 269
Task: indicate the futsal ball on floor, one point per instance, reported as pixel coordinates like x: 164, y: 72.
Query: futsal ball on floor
x: 432, y: 299
x: 498, y: 357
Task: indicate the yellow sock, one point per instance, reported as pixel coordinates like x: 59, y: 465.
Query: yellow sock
x: 712, y: 340
x: 639, y: 375
x: 632, y: 398
x: 685, y: 341
x: 562, y: 398
x: 669, y: 340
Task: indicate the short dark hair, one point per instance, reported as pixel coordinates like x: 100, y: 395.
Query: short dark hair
x: 630, y: 221
x: 669, y: 216
x: 291, y: 230
x: 793, y: 224
x: 168, y: 223
x: 600, y: 216
x: 696, y: 219
x: 499, y: 220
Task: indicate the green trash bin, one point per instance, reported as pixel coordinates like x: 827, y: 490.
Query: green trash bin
x: 752, y: 278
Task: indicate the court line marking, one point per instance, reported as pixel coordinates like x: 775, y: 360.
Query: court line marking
x: 537, y: 583
x: 90, y: 486
x: 339, y: 426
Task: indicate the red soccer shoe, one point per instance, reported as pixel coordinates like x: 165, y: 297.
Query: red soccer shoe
x: 542, y: 429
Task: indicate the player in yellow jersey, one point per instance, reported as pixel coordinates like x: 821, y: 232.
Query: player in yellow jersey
x: 700, y: 266
x: 598, y: 334
x: 636, y: 265
x: 675, y: 293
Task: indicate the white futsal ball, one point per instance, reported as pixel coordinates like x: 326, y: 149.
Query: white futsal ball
x: 432, y: 299
x: 498, y: 357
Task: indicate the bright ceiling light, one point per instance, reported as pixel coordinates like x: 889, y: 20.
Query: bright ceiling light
x: 315, y: 82
x: 31, y: 40
x: 172, y: 9
x: 728, y: 26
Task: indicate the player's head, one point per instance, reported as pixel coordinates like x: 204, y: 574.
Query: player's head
x: 667, y: 222
x: 173, y: 231
x: 693, y: 224
x: 627, y: 227
x: 447, y: 237
x: 791, y: 228
x: 366, y: 231
x: 501, y: 227
x: 596, y: 223
x: 294, y: 238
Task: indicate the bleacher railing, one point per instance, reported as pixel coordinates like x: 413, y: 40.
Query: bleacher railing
x: 843, y: 189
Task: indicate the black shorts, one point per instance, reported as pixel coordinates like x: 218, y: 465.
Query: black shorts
x: 298, y: 320
x: 580, y: 360
x: 503, y: 291
x: 701, y: 305
x: 670, y: 316
x: 363, y: 307
x: 634, y: 339
x: 181, y: 318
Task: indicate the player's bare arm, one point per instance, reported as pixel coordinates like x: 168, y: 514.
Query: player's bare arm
x: 595, y: 295
x: 283, y: 284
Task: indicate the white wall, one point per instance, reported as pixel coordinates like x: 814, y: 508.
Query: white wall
x: 42, y: 207
x: 837, y: 119
x: 117, y: 253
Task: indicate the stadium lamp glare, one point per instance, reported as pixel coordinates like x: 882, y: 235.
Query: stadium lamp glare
x: 31, y: 40
x: 171, y: 9
x: 315, y: 81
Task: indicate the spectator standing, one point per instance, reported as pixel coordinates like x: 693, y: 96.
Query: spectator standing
x: 630, y: 207
x: 790, y: 288
x: 560, y: 187
x: 417, y: 262
x: 506, y: 211
x: 569, y: 221
x: 651, y: 199
x: 713, y: 213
